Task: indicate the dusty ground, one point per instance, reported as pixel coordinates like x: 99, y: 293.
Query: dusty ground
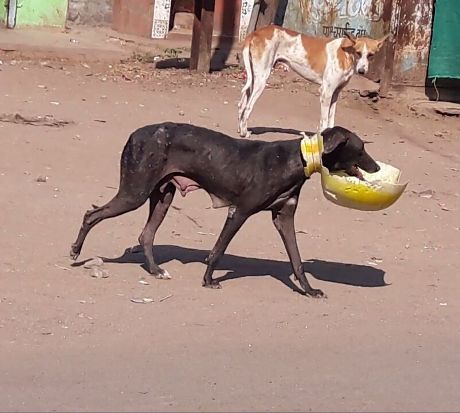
x: 386, y: 339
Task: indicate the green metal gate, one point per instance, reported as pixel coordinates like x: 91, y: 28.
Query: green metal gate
x: 33, y: 12
x: 445, y: 46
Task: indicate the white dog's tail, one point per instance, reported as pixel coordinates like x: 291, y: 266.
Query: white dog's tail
x: 247, y: 60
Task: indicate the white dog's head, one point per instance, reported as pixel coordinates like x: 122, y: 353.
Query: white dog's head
x: 362, y: 48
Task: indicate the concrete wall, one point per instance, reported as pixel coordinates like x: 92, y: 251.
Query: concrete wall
x: 91, y: 12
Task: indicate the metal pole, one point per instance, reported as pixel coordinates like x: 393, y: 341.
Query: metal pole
x: 11, y: 17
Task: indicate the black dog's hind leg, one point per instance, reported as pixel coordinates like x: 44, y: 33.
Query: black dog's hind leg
x: 159, y: 205
x: 233, y: 223
x: 283, y: 219
x: 120, y: 204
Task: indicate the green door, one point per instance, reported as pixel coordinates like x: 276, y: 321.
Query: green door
x: 37, y: 12
x: 2, y: 14
x: 445, y: 46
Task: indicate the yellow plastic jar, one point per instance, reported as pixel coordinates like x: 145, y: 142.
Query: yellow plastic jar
x: 379, y: 190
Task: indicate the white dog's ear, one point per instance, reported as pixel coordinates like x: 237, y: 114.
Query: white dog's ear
x: 382, y: 40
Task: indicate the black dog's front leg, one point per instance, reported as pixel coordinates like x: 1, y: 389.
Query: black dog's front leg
x: 283, y: 219
x: 233, y: 223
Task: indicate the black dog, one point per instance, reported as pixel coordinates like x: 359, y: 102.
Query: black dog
x: 247, y: 176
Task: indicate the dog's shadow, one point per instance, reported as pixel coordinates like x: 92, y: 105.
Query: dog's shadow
x: 184, y: 63
x: 239, y: 267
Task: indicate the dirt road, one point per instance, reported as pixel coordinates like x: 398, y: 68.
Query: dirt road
x: 386, y: 339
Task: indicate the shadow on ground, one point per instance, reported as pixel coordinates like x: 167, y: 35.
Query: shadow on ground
x: 240, y: 267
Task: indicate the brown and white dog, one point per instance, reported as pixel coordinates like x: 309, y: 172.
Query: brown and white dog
x: 328, y: 62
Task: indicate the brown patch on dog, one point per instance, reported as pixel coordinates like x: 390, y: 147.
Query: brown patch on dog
x: 315, y: 51
x: 345, y: 53
x: 289, y: 32
x: 315, y: 48
x: 257, y: 40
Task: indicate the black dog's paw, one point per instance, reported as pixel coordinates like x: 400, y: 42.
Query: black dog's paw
x: 74, y: 253
x: 156, y: 271
x: 315, y: 293
x: 215, y: 285
x: 162, y: 274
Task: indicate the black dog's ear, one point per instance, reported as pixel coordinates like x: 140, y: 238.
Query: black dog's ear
x: 332, y: 139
